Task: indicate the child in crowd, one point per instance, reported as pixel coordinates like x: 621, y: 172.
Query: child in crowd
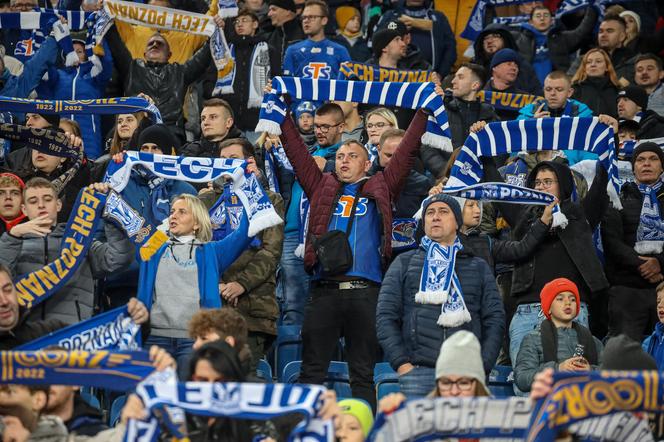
x: 559, y: 342
x: 304, y: 116
x: 355, y: 421
x: 654, y: 344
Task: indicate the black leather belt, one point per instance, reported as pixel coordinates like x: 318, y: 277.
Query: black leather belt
x: 345, y: 285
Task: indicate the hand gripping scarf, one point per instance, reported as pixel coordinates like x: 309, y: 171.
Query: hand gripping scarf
x: 408, y: 95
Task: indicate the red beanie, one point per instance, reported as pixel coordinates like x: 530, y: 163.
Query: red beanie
x: 552, y: 288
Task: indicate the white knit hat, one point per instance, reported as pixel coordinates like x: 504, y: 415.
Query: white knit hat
x: 461, y: 355
x: 635, y: 16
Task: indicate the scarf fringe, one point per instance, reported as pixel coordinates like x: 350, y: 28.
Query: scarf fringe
x: 437, y: 141
x: 299, y: 251
x: 649, y: 247
x: 261, y: 221
x: 431, y: 297
x: 613, y: 196
x: 254, y: 102
x: 560, y: 220
x: 228, y: 12
x: 271, y: 127
x: 454, y: 319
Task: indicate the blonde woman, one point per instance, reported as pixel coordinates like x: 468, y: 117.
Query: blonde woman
x: 377, y: 121
x: 183, y: 275
x: 595, y: 83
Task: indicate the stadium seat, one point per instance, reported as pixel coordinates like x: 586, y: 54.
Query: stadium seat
x: 386, y: 380
x: 90, y: 398
x: 264, y: 371
x: 116, y: 408
x: 288, y: 348
x: 337, y: 377
x: 501, y: 381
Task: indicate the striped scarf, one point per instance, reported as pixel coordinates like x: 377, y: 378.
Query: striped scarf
x: 533, y: 135
x: 409, y: 95
x: 368, y: 72
x: 650, y: 233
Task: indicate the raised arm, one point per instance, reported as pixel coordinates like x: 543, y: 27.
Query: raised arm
x: 36, y: 66
x: 597, y: 200
x: 196, y: 66
x: 232, y: 246
x: 304, y: 165
x: 400, y: 165
x: 121, y: 55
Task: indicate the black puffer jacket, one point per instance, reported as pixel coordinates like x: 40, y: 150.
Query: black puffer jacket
x: 165, y: 83
x: 561, y: 43
x: 282, y: 37
x: 26, y: 331
x: 650, y: 126
x: 599, y: 94
x: 208, y: 149
x: 619, y: 235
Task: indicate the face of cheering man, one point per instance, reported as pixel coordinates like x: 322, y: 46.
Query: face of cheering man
x: 439, y: 223
x: 647, y: 168
x: 157, y: 50
x: 351, y: 162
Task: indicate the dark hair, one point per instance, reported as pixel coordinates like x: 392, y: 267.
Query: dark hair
x: 219, y: 102
x: 247, y: 147
x: 649, y: 56
x: 39, y: 183
x: 222, y: 357
x: 559, y: 75
x: 478, y: 71
x: 247, y: 12
x: 321, y: 4
x: 391, y: 133
x: 330, y: 108
x: 613, y: 17
x: 538, y: 8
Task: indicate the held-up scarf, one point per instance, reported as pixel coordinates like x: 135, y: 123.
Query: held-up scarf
x: 47, y: 141
x: 506, y: 100
x: 533, y: 135
x: 169, y: 19
x: 627, y: 147
x: 369, y: 72
x: 275, y: 158
x: 475, y: 23
x: 99, y: 106
x: 579, y: 396
x: 235, y: 400
x: 226, y: 215
x: 439, y: 283
x: 511, y: 21
x: 650, y: 233
x: 259, y: 75
x: 261, y: 213
x: 408, y: 95
x: 112, y: 330
x: 39, y: 285
x: 117, y: 371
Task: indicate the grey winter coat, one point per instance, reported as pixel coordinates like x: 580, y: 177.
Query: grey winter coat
x: 75, y: 301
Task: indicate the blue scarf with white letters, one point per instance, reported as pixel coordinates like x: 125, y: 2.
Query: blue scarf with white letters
x: 650, y: 233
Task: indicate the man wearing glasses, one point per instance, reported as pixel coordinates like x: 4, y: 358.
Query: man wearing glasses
x: 315, y: 57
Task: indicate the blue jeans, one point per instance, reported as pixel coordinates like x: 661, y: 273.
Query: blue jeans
x: 527, y: 318
x: 418, y: 382
x: 179, y: 348
x: 293, y: 283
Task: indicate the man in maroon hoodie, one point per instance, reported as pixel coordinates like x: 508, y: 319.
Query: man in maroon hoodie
x: 344, y: 303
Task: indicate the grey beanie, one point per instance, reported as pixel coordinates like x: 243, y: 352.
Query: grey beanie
x: 461, y: 355
x: 453, y: 202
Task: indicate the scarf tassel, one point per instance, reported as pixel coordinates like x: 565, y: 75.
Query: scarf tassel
x: 649, y: 247
x: 454, y: 319
x: 559, y: 219
x: 431, y: 297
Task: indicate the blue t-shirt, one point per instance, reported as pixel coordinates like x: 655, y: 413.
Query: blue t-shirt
x: 314, y: 59
x: 364, y: 235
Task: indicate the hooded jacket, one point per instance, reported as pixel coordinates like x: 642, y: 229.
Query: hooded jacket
x: 208, y: 149
x: 527, y: 78
x: 575, y: 239
x: 409, y: 332
x: 75, y: 301
x: 33, y: 70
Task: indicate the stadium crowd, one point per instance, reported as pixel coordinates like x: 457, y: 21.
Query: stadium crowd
x: 443, y: 296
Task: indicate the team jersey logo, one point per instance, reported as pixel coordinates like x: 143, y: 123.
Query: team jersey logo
x: 24, y: 48
x: 345, y: 204
x: 317, y: 70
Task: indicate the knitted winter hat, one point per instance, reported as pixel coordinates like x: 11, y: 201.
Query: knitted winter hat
x: 552, y: 288
x: 381, y: 39
x: 635, y: 16
x: 636, y: 94
x: 461, y: 355
x: 284, y: 4
x: 451, y: 201
x: 360, y: 410
x: 160, y: 135
x: 505, y: 55
x: 53, y: 119
x: 344, y: 14
x: 647, y: 147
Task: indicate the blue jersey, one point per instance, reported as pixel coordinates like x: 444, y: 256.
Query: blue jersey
x: 364, y: 235
x: 314, y: 59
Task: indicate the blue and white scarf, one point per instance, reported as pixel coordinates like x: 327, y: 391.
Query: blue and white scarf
x: 650, y: 233
x: 408, y: 95
x: 627, y: 147
x: 513, y: 20
x: 117, y: 371
x: 275, y: 158
x: 506, y: 100
x: 534, y: 135
x: 99, y: 106
x: 234, y: 400
x: 439, y: 283
x: 541, y: 61
x: 259, y: 74
x: 226, y: 215
x: 475, y: 23
x: 261, y: 213
x: 112, y: 330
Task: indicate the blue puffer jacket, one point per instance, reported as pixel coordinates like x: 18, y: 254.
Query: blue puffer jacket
x: 80, y: 83
x: 408, y: 331
x: 33, y: 70
x: 654, y: 345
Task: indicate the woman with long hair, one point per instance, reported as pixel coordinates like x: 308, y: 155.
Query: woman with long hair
x: 125, y: 126
x: 596, y: 83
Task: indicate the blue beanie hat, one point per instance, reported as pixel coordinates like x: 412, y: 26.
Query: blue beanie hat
x: 505, y: 55
x: 305, y: 107
x: 451, y: 201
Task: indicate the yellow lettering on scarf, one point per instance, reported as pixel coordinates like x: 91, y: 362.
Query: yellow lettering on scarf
x: 112, y: 8
x: 196, y: 23
x: 505, y: 99
x: 62, y: 272
x: 97, y: 357
x: 132, y: 12
x: 515, y: 101
x: 32, y: 283
x: 74, y: 246
x: 68, y: 258
x: 527, y: 99
x: 47, y: 277
x: 394, y: 76
x: 495, y: 97
x: 24, y: 297
x: 384, y: 75
x: 177, y: 21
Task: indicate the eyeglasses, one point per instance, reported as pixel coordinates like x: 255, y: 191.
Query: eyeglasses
x: 325, y: 128
x: 545, y: 183
x: 463, y: 384
x: 545, y: 15
x: 243, y: 20
x: 310, y: 17
x: 379, y: 125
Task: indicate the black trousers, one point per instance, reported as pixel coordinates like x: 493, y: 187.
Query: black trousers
x: 632, y: 311
x: 329, y: 314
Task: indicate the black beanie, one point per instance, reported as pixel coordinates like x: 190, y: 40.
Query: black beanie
x: 381, y: 39
x: 648, y: 147
x: 284, y: 4
x: 160, y: 135
x: 53, y: 119
x: 624, y: 353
